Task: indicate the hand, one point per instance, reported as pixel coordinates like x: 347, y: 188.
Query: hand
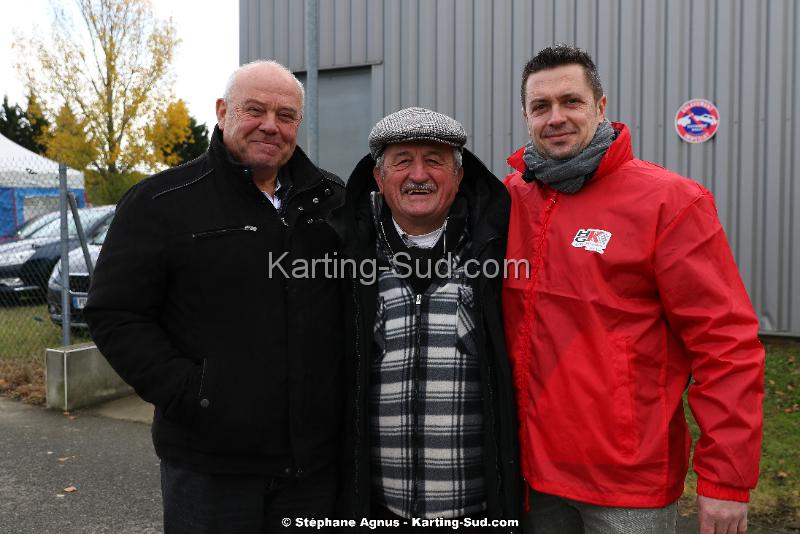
x: 721, y: 517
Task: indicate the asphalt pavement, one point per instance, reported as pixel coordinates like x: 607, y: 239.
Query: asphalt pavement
x: 78, y: 473
x: 95, y: 471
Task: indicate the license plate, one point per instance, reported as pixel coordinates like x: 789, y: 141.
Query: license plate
x: 79, y: 302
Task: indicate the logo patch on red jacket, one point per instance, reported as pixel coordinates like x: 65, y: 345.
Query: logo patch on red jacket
x: 592, y: 239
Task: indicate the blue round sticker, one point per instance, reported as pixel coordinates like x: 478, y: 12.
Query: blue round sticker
x: 697, y: 120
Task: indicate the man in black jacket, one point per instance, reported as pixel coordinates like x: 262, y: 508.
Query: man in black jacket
x: 191, y: 306
x: 430, y: 425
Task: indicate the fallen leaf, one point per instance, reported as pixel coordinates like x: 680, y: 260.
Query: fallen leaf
x: 59, y: 495
x: 70, y: 489
x: 771, y: 382
x: 65, y: 458
x: 72, y: 417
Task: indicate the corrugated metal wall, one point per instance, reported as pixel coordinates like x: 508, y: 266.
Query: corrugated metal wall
x: 464, y: 57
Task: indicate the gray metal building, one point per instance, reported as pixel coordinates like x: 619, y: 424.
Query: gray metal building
x: 464, y: 58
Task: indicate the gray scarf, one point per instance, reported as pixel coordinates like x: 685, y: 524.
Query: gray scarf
x: 569, y: 175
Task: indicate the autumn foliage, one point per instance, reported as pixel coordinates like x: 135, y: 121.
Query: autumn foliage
x: 103, y: 77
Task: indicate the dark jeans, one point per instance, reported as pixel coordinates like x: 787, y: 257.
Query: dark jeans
x: 199, y: 503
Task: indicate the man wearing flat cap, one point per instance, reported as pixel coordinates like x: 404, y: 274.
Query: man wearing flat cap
x: 430, y: 428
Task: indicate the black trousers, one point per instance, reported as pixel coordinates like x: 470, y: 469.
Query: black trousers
x: 199, y: 503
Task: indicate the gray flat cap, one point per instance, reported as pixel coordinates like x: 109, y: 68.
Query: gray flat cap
x: 413, y: 124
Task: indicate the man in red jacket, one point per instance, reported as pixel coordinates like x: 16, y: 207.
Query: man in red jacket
x: 632, y: 291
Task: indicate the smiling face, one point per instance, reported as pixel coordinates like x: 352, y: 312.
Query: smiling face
x: 260, y: 118
x: 561, y: 112
x: 419, y: 182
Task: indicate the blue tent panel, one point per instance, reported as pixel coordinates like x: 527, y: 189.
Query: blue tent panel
x: 7, y: 211
x: 12, y: 204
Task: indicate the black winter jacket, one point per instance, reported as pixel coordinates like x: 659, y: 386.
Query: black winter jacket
x: 242, y: 364
x: 488, y: 212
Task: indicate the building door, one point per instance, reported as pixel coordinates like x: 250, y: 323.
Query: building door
x: 344, y: 119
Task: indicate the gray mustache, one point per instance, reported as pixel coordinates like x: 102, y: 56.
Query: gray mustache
x: 411, y: 187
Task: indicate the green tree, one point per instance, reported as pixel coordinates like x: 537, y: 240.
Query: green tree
x: 197, y: 143
x: 26, y: 128
x: 12, y: 121
x: 175, y: 135
x: 67, y: 141
x: 100, y: 190
x: 37, y: 124
x: 113, y: 69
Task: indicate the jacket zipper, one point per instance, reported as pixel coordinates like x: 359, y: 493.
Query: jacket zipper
x: 526, y: 333
x: 287, y: 245
x: 284, y: 205
x: 548, y: 209
x: 490, y: 390
x: 224, y: 231
x: 415, y: 402
x: 202, y: 378
x: 482, y: 340
x: 358, y: 390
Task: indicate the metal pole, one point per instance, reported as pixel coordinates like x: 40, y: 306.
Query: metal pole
x: 312, y: 66
x: 73, y: 205
x: 65, y: 303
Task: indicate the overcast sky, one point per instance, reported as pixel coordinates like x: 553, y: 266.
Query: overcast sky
x: 207, y: 54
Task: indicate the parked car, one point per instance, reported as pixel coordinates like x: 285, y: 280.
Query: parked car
x: 30, y: 226
x: 26, y: 263
x: 78, y: 282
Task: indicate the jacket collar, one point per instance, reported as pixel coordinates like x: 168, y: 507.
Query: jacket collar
x: 618, y: 153
x: 304, y: 174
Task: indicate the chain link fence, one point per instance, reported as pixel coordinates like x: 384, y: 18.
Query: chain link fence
x: 32, y: 239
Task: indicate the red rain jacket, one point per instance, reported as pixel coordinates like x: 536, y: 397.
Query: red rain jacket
x: 632, y: 289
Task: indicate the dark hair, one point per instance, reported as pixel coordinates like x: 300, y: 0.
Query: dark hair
x: 558, y: 56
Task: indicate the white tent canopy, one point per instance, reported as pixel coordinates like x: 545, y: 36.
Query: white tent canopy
x: 19, y: 167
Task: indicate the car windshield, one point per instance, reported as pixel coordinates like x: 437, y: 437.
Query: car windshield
x: 53, y: 228
x: 31, y: 225
x: 101, y: 235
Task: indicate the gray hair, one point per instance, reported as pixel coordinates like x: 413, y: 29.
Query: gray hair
x: 456, y: 158
x: 226, y: 96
